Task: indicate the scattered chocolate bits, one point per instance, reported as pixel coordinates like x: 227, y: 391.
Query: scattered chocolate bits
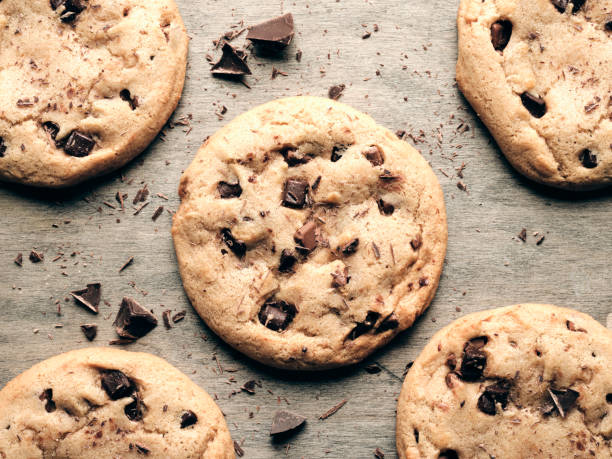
x: 134, y: 411
x: 188, y: 418
x: 588, y: 159
x: 563, y: 400
x: 2, y: 147
x: 340, y: 278
x: 90, y: 331
x: 534, y: 104
x: 275, y: 33
x: 285, y: 422
x: 116, y: 384
x: 363, y: 327
x: 127, y: 96
x: 306, y: 236
x: 229, y: 190
x: 47, y: 397
x: 277, y: 315
x: 295, y: 193
x: 385, y: 208
x: 287, y: 261
x: 232, y: 62
x: 235, y: 245
x: 133, y: 321
x: 349, y: 248
x: 36, y: 257
x: 294, y: 157
x: 493, y: 394
x: 89, y: 297
x: 374, y: 155
x: 336, y: 91
x: 474, y: 359
x: 562, y: 5
x: 379, y: 454
x: 79, y: 144
x: 501, y: 31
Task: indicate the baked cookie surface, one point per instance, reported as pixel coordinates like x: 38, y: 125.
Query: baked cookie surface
x: 537, y: 72
x: 85, y: 85
x: 522, y: 381
x: 100, y: 402
x: 308, y: 236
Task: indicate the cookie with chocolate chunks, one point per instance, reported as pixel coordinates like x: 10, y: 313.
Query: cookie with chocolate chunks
x: 102, y: 402
x: 313, y: 249
x: 529, y: 380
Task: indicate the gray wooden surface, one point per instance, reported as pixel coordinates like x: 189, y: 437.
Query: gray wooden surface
x: 403, y: 75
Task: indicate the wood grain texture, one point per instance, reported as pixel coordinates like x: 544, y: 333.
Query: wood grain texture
x: 403, y: 75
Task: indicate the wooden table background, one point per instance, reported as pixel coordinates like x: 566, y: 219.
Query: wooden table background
x: 403, y: 75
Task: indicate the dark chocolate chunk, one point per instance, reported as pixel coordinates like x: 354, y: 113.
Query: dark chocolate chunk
x: 385, y: 208
x: 448, y: 454
x: 285, y: 422
x: 336, y: 150
x: 335, y: 91
x: 88, y: 297
x: 374, y: 155
x: 609, y: 398
x: 388, y: 176
x: 562, y: 5
x: 534, y: 104
x: 232, y: 62
x: 306, y: 236
x: 70, y: 10
x: 47, y: 396
x: 277, y: 315
x: 295, y: 193
x: 229, y: 190
x: 249, y: 387
x: 501, y: 31
x: 276, y: 32
x: 389, y: 323
x: 235, y: 245
x: 416, y: 243
x: 188, y: 418
x: 134, y: 411
x: 2, y: 147
x: 133, y: 321
x: 52, y: 130
x: 340, y: 278
x: 372, y: 369
x: 127, y: 96
x: 493, y: 394
x: 287, y: 261
x: 116, y: 384
x: 142, y: 449
x: 474, y: 359
x: 363, y: 327
x: 90, y: 331
x: 349, y: 248
x: 294, y: 157
x: 79, y: 144
x: 563, y: 400
x: 36, y: 257
x: 588, y: 158
x: 608, y: 26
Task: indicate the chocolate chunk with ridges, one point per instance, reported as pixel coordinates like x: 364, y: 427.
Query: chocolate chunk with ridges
x: 534, y: 104
x: 287, y: 261
x: 493, y: 394
x: 374, y: 155
x: 229, y: 190
x: 562, y: 5
x: 277, y: 315
x: 416, y: 243
x: 294, y: 157
x: 364, y: 327
x: 116, y: 384
x: 232, y: 62
x: 448, y: 454
x: 89, y: 297
x: 306, y: 236
x: 340, y: 278
x: 90, y: 331
x: 501, y: 31
x: 588, y: 159
x: 389, y: 323
x: 2, y: 147
x: 127, y: 96
x: 276, y: 32
x: 235, y: 245
x: 79, y: 144
x: 47, y: 396
x: 133, y: 321
x: 295, y: 193
x: 563, y: 400
x: 349, y: 248
x: 385, y: 208
x: 188, y: 418
x: 474, y: 359
x: 336, y: 150
x: 285, y: 422
x: 134, y: 411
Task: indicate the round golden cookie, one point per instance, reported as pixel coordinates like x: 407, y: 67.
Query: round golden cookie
x: 525, y: 381
x: 308, y: 236
x: 101, y: 402
x: 85, y: 85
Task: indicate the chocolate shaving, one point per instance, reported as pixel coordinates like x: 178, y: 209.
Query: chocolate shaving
x: 349, y: 248
x: 238, y: 449
x: 127, y: 263
x: 179, y: 316
x: 166, y: 318
x: 19, y: 259
x: 333, y: 410
x: 36, y: 257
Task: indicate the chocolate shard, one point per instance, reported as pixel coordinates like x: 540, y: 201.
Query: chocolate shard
x: 142, y: 449
x: 275, y: 33
x: 235, y: 245
x: 501, y: 31
x: 52, y: 130
x: 534, y: 104
x: 336, y: 152
x: 229, y: 190
x: 285, y: 422
x: 89, y: 297
x: 294, y: 157
x: 90, y: 331
x: 563, y: 400
x: 349, y: 248
x: 277, y: 315
x: 390, y: 322
x: 306, y: 236
x: 364, y: 327
x: 70, y: 10
x: 249, y: 387
x: 47, y: 397
x: 474, y: 359
x: 19, y: 259
x: 385, y: 208
x: 79, y: 144
x: 287, y: 261
x: 340, y: 278
x: 135, y: 410
x: 588, y: 159
x: 133, y: 321
x: 374, y: 155
x: 493, y: 394
x: 188, y: 418
x: 116, y: 384
x: 232, y: 62
x: 2, y: 147
x: 295, y: 193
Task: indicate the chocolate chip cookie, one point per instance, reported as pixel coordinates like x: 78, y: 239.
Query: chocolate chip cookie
x: 308, y: 236
x: 101, y: 402
x: 537, y: 72
x: 522, y: 381
x: 85, y: 85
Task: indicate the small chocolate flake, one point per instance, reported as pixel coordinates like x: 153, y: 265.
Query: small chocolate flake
x: 372, y: 369
x: 376, y: 250
x: 523, y: 235
x: 36, y: 257
x: 335, y: 154
x: 237, y: 246
x: 335, y: 91
x: 539, y: 241
x: 188, y: 418
x: 179, y: 316
x: 89, y: 297
x: 238, y: 449
x: 333, y: 410
x: 501, y: 31
x: 116, y: 384
x: 157, y: 213
x: 141, y: 195
x: 232, y: 62
x: 79, y: 144
x: 229, y: 190
x: 295, y: 192
x: 47, y: 396
x: 534, y: 104
x: 374, y: 155
x: 275, y: 33
x: 2, y: 147
x: 385, y: 208
x: 133, y: 321
x: 142, y: 450
x: 90, y: 331
x: 287, y: 261
x: 316, y: 183
x: 588, y: 159
x: 349, y: 248
x: 166, y: 318
x: 571, y: 326
x: 285, y: 422
x: 388, y: 176
x: 277, y: 315
x: 563, y: 399
x: 19, y: 259
x: 493, y: 394
x: 416, y: 243
x: 306, y: 236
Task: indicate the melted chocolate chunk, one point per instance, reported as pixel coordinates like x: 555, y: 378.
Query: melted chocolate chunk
x: 232, y: 62
x: 90, y: 331
x: 287, y: 261
x: 277, y: 315
x: 501, y: 31
x: 229, y: 190
x: 335, y: 154
x: 340, y: 278
x: 534, y: 104
x: 389, y: 323
x: 235, y: 245
x: 2, y: 147
x: 294, y: 157
x: 448, y: 454
x: 135, y: 410
x: 385, y: 208
x: 364, y: 327
x: 88, y: 297
x: 306, y: 236
x: 563, y: 400
x: 133, y: 321
x: 52, y: 130
x: 116, y: 384
x: 188, y: 418
x: 79, y: 144
x: 588, y: 159
x: 274, y: 33
x: 285, y: 422
x: 374, y: 155
x: 47, y: 396
x: 127, y: 96
x: 295, y: 193
x: 493, y: 394
x: 349, y: 248
x: 474, y: 359
x: 562, y: 5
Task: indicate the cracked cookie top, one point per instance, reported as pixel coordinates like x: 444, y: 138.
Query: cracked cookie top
x: 522, y: 381
x: 308, y: 236
x: 538, y: 74
x: 101, y: 402
x: 85, y: 85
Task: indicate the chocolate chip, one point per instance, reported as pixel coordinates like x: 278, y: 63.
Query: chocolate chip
x: 229, y: 190
x: 374, y: 155
x: 448, y: 454
x: 133, y: 321
x: 295, y: 193
x: 562, y: 5
x: 388, y: 176
x: 340, y: 278
x: 534, y: 104
x: 274, y: 33
x: 79, y: 144
x: 71, y: 9
x: 363, y: 327
x: 116, y: 384
x: 36, y: 257
x: 562, y: 399
x: 608, y: 26
x: 294, y: 157
x: 126, y: 96
x: 493, y: 394
x: 277, y: 315
x: 501, y: 31
x: 235, y: 245
x: 134, y: 411
x: 47, y: 396
x: 335, y: 91
x: 306, y: 236
x: 588, y: 159
x: 90, y: 331
x: 336, y: 150
x: 349, y: 248
x: 188, y: 418
x: 88, y: 297
x: 232, y: 62
x: 609, y: 398
x: 385, y: 208
x: 2, y: 147
x: 474, y: 359
x: 416, y: 243
x: 389, y: 323
x: 287, y: 260
x: 285, y: 422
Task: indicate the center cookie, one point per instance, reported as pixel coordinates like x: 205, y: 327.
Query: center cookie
x: 308, y: 236
x: 85, y: 85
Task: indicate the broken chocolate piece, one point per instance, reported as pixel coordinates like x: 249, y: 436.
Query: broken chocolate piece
x: 36, y: 257
x: 588, y: 159
x: 274, y: 33
x: 285, y: 422
x: 340, y: 278
x: 562, y: 5
x: 474, y: 359
x: 277, y: 315
x: 90, y: 331
x: 294, y: 157
x: 608, y: 26
x: 416, y: 243
x: 232, y: 62
x: 52, y: 130
x: 306, y: 236
x: 374, y: 155
x: 179, y: 316
x: 501, y: 31
x: 388, y: 176
x: 336, y: 150
x: 142, y: 450
x: 166, y: 317
x: 295, y: 193
x: 385, y: 208
x: 349, y: 248
x: 47, y: 396
x: 448, y: 454
x: 363, y: 327
x: 235, y: 245
x: 133, y: 321
x: 134, y: 411
x: 229, y: 190
x: 2, y: 147
x: 71, y: 8
x: 451, y: 379
x: 335, y: 91
x: 188, y: 418
x: 563, y: 400
x: 88, y: 297
x: 523, y: 235
x: 249, y: 387
x: 389, y: 323
x: 287, y: 260
x: 19, y: 259
x: 127, y: 96
x: 534, y: 104
x: 79, y: 144
x: 116, y: 384
x: 493, y: 394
